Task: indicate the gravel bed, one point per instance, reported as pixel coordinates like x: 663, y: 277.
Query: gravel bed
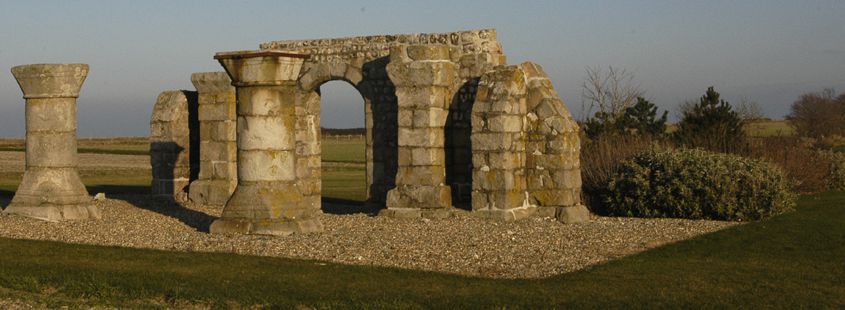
x: 531, y: 248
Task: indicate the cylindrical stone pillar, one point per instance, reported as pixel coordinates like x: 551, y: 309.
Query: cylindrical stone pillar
x: 51, y: 189
x: 267, y: 199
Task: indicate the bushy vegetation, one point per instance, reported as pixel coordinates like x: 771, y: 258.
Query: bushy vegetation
x: 819, y: 115
x: 696, y: 184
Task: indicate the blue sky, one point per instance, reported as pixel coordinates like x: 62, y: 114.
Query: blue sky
x: 765, y: 51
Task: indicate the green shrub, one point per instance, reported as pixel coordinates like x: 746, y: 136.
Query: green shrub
x: 696, y: 184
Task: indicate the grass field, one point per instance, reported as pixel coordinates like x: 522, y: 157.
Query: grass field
x: 762, y: 128
x: 790, y: 261
x: 345, y: 181
x: 345, y: 150
x: 121, y: 146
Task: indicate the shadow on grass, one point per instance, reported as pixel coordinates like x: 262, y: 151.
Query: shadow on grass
x: 341, y: 206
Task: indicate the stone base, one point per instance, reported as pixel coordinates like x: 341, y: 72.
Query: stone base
x: 210, y: 192
x: 54, y: 213
x: 265, y: 227
x: 420, y: 197
x: 270, y: 201
x: 53, y: 194
x: 506, y: 214
x: 416, y: 213
x: 573, y: 214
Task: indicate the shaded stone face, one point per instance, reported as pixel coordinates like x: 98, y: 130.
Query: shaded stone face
x: 51, y: 189
x: 173, y: 144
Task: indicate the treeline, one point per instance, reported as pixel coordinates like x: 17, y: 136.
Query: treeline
x: 342, y: 131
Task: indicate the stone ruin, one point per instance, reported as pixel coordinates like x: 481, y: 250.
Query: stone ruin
x: 449, y: 125
x: 51, y: 188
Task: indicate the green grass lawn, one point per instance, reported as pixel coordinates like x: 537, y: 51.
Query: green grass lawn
x: 343, y: 149
x: 790, y: 261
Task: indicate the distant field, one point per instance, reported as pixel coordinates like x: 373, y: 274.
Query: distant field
x: 342, y: 181
x: 768, y: 128
x: 122, y: 146
x: 346, y: 149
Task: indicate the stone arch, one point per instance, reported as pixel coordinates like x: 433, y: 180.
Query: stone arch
x: 370, y: 79
x: 458, y: 144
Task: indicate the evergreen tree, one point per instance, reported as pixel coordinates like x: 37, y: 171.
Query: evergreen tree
x: 711, y: 124
x: 642, y: 118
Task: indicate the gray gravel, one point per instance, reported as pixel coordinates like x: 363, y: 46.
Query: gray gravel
x: 530, y: 248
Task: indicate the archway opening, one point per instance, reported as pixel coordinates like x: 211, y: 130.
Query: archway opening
x: 343, y: 147
x: 458, y: 145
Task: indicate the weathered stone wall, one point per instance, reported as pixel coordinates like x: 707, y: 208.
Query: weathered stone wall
x: 448, y: 124
x: 553, y: 170
x: 218, y: 170
x: 525, y: 147
x: 362, y: 62
x: 498, y: 145
x: 174, y: 141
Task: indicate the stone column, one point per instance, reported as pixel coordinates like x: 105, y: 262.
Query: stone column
x: 218, y: 175
x: 267, y: 199
x: 425, y: 81
x: 51, y: 189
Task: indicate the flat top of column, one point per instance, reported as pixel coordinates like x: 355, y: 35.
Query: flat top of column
x: 260, y: 53
x: 50, y: 80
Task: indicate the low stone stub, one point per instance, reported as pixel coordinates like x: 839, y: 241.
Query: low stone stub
x: 170, y: 144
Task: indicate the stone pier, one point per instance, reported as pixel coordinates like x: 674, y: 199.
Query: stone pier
x: 218, y: 175
x: 267, y: 199
x: 424, y: 77
x: 51, y: 188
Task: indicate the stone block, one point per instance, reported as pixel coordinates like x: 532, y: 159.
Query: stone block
x: 266, y: 165
x: 573, y: 214
x: 428, y: 52
x: 419, y: 197
x: 427, y: 156
x: 433, y: 117
x: 421, y: 175
x: 261, y: 133
x: 505, y: 123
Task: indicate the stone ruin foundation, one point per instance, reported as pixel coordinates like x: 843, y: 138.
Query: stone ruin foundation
x: 448, y: 125
x: 51, y: 188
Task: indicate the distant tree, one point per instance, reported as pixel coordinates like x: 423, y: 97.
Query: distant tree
x: 819, y: 115
x: 749, y: 110
x: 606, y: 95
x: 642, y: 118
x: 711, y: 124
x: 609, y: 92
